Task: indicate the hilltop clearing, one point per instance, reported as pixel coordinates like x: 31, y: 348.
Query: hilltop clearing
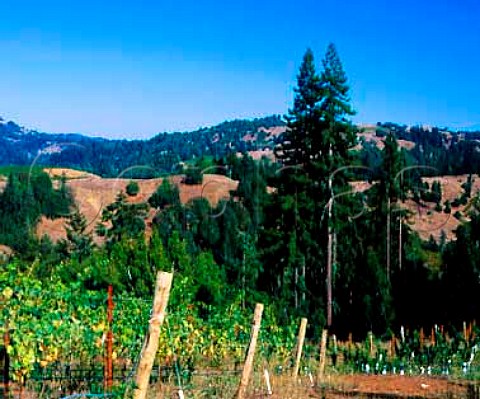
x: 92, y: 193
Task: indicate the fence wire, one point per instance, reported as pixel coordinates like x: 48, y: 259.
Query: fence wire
x: 217, y: 374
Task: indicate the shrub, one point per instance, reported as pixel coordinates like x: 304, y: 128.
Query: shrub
x: 193, y: 175
x: 166, y: 194
x: 132, y: 188
x: 448, y: 208
x: 457, y: 215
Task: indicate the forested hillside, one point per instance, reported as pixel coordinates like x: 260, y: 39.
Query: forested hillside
x: 157, y: 156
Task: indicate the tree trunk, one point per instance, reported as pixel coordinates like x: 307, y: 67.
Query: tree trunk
x: 388, y: 240
x: 304, y: 281
x: 329, y: 250
x: 400, y: 257
x: 329, y: 266
x: 296, y: 288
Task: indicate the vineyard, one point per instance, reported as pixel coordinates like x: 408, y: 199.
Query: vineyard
x: 58, y: 338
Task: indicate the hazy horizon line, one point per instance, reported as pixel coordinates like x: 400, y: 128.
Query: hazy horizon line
x: 140, y: 136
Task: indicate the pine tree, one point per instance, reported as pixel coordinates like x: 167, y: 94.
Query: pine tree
x: 166, y: 194
x: 122, y: 219
x: 389, y: 192
x: 252, y: 189
x: 467, y: 186
x: 65, y: 196
x: 437, y: 192
x: 461, y: 271
x: 293, y: 205
x: 316, y: 146
x: 302, y: 120
x: 332, y: 148
x: 448, y: 207
x: 79, y: 242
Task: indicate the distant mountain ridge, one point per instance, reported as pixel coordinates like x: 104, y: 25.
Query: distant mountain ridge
x: 471, y: 128
x: 448, y: 151
x: 108, y: 157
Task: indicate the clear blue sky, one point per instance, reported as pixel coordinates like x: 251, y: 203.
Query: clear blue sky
x: 132, y: 69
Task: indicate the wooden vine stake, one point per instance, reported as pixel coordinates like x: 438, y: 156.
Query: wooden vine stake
x: 247, y: 368
x: 393, y: 342
x: 150, y: 345
x: 323, y: 356
x: 266, y: 375
x: 300, y: 341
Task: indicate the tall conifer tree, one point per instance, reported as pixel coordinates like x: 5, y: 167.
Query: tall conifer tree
x: 317, y: 143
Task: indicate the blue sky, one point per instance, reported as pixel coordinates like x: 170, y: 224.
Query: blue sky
x: 132, y: 69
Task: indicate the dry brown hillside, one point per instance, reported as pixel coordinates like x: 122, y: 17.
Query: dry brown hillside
x: 429, y: 222
x: 423, y: 217
x: 368, y: 134
x: 92, y: 193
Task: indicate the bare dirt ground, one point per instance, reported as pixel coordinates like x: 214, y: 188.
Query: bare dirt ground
x: 369, y: 386
x: 259, y: 154
x: 398, y: 385
x: 334, y: 387
x: 273, y: 131
x: 68, y: 173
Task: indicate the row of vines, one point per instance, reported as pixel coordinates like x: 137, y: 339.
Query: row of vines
x: 52, y: 323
